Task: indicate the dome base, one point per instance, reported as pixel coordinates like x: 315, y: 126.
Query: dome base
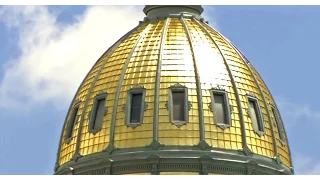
x: 173, y: 159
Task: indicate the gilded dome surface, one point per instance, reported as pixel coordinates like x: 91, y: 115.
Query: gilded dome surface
x: 173, y: 86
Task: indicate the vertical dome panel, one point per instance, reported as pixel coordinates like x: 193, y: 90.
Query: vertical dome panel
x: 213, y: 74
x: 247, y: 85
x: 91, y: 143
x: 177, y: 68
x: 282, y: 146
x: 141, y: 71
x: 68, y: 149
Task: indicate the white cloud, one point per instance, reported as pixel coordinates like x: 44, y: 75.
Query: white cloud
x: 54, y: 57
x: 293, y: 112
x: 305, y: 165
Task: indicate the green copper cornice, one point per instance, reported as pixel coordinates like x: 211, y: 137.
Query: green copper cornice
x: 162, y: 11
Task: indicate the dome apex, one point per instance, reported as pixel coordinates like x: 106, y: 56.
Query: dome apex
x: 160, y: 11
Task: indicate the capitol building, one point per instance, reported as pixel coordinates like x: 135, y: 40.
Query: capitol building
x: 173, y: 96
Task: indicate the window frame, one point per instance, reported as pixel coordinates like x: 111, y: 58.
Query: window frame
x: 227, y: 107
x: 255, y: 100
x: 277, y: 121
x: 70, y: 126
x: 187, y: 105
x: 127, y: 106
x: 92, y: 114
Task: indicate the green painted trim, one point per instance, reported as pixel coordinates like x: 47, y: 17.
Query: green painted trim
x: 224, y: 93
x: 127, y: 106
x: 174, y: 159
x: 73, y: 100
x: 234, y: 85
x: 117, y: 94
x: 157, y: 82
x: 92, y: 114
x: 198, y: 84
x: 169, y: 105
x: 162, y: 11
x: 263, y: 96
x: 260, y: 119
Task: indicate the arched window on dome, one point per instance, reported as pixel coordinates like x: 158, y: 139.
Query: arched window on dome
x: 276, y: 118
x: 135, y: 106
x: 72, y: 121
x: 255, y: 115
x: 220, y: 107
x: 178, y: 105
x: 97, y: 113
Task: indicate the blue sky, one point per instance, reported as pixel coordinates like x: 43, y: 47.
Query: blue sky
x: 40, y: 46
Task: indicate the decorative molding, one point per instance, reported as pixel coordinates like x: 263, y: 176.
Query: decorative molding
x: 223, y: 126
x: 177, y: 86
x: 218, y: 88
x: 154, y: 161
x: 205, y: 162
x: 178, y: 123
x: 110, y: 149
x: 76, y: 156
x: 250, y: 94
x: 246, y: 151
x: 170, y: 158
x: 277, y: 159
x: 204, y: 145
x: 155, y: 145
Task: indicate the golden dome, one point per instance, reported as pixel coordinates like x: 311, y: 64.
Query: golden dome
x: 173, y: 86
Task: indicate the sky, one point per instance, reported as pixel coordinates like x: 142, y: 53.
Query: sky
x: 45, y: 52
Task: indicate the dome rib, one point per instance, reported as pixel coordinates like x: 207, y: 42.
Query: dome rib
x: 198, y: 84
x: 235, y: 89
x: 157, y: 81
x: 112, y: 48
x: 118, y: 90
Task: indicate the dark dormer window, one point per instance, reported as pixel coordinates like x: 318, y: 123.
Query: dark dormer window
x: 255, y: 115
x: 220, y: 108
x: 178, y: 104
x: 135, y: 106
x: 178, y: 110
x: 72, y: 121
x: 97, y: 113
